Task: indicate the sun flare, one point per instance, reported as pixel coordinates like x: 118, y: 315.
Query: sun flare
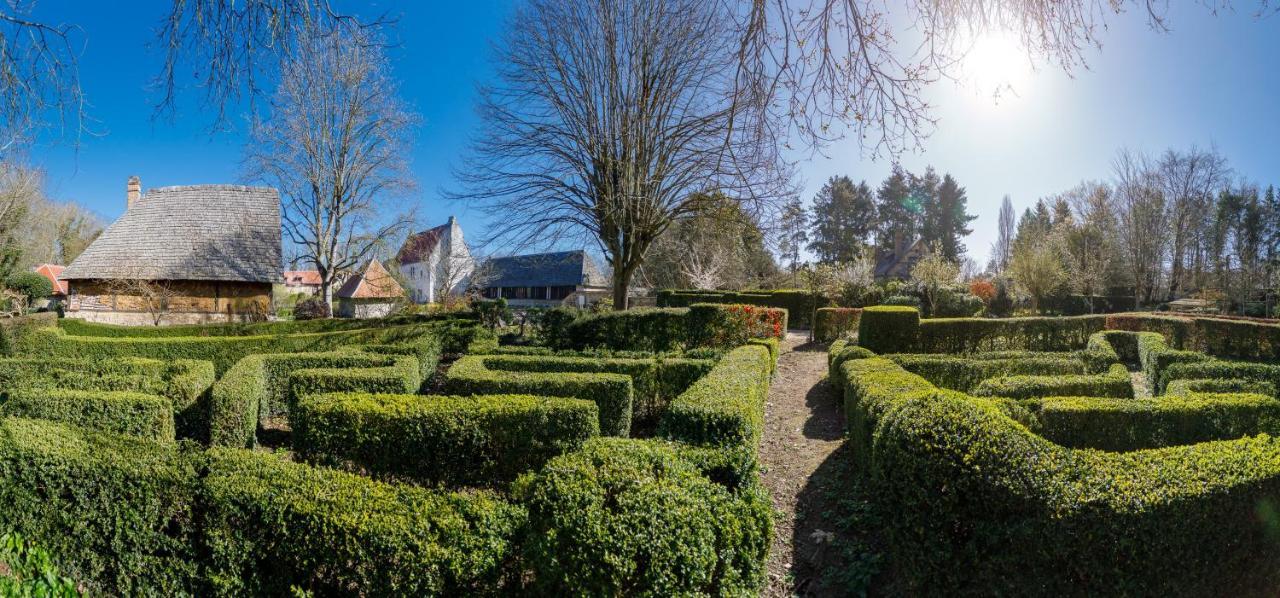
x: 996, y: 66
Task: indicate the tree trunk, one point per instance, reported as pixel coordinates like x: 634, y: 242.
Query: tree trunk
x: 621, y: 280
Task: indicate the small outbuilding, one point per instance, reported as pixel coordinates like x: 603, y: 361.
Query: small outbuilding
x: 544, y: 279
x: 373, y: 293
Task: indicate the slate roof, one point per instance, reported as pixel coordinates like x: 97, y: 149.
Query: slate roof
x: 559, y: 269
x: 374, y: 283
x: 197, y: 232
x: 898, y: 263
x: 419, y: 247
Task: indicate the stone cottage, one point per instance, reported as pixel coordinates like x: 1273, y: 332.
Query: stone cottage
x: 435, y: 262
x: 373, y: 293
x: 179, y: 255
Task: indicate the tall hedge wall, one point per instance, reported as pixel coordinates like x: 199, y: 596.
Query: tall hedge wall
x: 724, y: 408
x: 673, y: 329
x: 798, y: 303
x: 142, y: 415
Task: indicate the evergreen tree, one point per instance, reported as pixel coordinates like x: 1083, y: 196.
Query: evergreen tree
x: 924, y: 193
x: 843, y: 216
x: 897, y: 210
x: 948, y: 219
x: 793, y: 230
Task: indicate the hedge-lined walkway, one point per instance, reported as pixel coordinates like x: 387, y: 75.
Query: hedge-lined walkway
x: 802, y: 430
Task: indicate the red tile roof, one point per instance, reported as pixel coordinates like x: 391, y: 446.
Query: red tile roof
x: 302, y: 277
x: 419, y: 247
x: 374, y: 283
x: 52, y: 271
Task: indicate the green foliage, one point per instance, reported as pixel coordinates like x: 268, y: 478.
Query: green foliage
x: 136, y: 414
x: 975, y: 496
x: 799, y: 303
x: 1114, y: 384
x: 968, y: 372
x: 31, y: 285
x: 731, y: 325
x: 889, y: 329
x: 401, y: 376
x: 553, y: 325
x: 1222, y: 370
x: 1156, y: 357
x: 273, y: 526
x: 632, y: 330
x: 631, y: 517
x: 491, y: 312
x: 971, y: 335
x: 470, y: 441
x: 29, y: 571
x: 1133, y: 424
x: 726, y: 407
x: 118, y: 512
x: 611, y: 392
x: 1218, y: 385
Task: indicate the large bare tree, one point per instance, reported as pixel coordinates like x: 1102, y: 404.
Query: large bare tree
x: 336, y: 145
x: 608, y: 120
x: 1141, y: 215
x: 39, y: 77
x: 1190, y: 180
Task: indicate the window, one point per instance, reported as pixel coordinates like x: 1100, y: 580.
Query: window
x: 558, y: 293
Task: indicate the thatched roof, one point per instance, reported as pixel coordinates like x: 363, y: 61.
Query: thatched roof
x: 559, y: 269
x: 197, y: 232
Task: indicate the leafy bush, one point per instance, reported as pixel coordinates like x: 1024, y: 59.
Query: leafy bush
x: 119, y: 512
x: 136, y: 414
x: 1221, y: 370
x: 798, y: 303
x: 965, y: 374
x: 726, y: 407
x: 1115, y: 384
x: 731, y: 325
x: 902, y: 301
x: 1133, y: 424
x: 492, y: 312
x: 29, y: 571
x: 970, y: 335
x: 401, y: 376
x: 473, y: 441
x: 833, y: 323
x: 312, y: 308
x: 1218, y: 385
x: 889, y: 329
x: 632, y: 329
x: 553, y: 325
x: 626, y: 516
x: 29, y: 284
x: 611, y: 392
x: 1156, y: 357
x: 273, y: 526
x: 956, y: 302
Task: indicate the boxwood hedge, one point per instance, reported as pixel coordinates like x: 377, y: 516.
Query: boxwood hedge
x: 1222, y: 370
x: 401, y: 376
x: 1114, y: 384
x: 133, y: 413
x: 966, y: 373
x: 725, y: 407
x: 889, y: 329
x: 832, y: 323
x: 1220, y: 385
x: 275, y: 528
x: 611, y: 392
x: 471, y: 441
x: 984, y: 506
x: 631, y: 517
x: 1132, y: 424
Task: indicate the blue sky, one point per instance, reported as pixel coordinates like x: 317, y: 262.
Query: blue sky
x: 1211, y: 81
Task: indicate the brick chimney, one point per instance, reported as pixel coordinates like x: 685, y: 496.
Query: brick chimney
x: 133, y: 192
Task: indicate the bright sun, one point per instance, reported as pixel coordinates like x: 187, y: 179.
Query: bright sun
x: 996, y: 66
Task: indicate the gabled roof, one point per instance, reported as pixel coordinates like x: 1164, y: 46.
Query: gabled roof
x: 419, y: 247
x: 374, y: 283
x: 890, y: 263
x: 52, y: 271
x: 302, y: 277
x: 197, y: 232
x: 562, y: 268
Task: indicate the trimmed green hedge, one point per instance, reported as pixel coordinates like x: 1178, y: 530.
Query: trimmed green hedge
x: 1155, y: 356
x: 889, y: 329
x: 258, y: 387
x: 77, y: 327
x: 1132, y: 424
x: 673, y: 329
x: 1217, y: 385
x: 1113, y: 384
x: 1222, y: 370
x: 627, y: 517
x: 184, y: 382
x: 427, y: 351
x: 118, y: 513
x: 223, y: 351
x: 402, y: 376
x: 472, y: 441
x: 725, y: 407
x: 969, y: 335
x: 611, y: 392
x: 133, y: 413
x: 799, y: 303
x: 981, y: 505
x: 1239, y: 339
x: 273, y: 526
x: 965, y: 373
x: 834, y: 323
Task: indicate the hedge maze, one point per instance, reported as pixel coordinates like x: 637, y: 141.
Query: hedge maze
x: 268, y: 459
x: 1119, y: 454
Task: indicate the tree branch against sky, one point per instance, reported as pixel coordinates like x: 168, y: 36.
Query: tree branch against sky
x: 39, y: 76
x: 608, y: 121
x: 336, y: 145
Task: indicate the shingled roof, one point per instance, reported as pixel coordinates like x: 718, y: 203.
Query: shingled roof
x: 559, y: 269
x: 419, y: 247
x: 374, y: 283
x: 197, y: 232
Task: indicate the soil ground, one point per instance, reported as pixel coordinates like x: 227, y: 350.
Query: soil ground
x: 824, y: 542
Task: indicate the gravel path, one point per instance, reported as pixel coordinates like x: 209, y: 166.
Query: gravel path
x: 803, y: 428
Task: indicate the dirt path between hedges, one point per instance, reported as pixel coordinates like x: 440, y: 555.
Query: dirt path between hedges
x: 803, y: 428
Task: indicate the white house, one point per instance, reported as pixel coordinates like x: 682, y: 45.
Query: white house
x: 434, y: 261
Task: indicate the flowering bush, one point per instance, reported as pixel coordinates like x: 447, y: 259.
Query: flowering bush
x: 984, y: 290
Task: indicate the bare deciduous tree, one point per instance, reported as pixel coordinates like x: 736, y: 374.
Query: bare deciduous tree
x: 39, y: 76
x: 153, y: 297
x: 1006, y: 229
x: 607, y: 120
x: 336, y: 146
x: 1140, y: 212
x: 1189, y: 181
